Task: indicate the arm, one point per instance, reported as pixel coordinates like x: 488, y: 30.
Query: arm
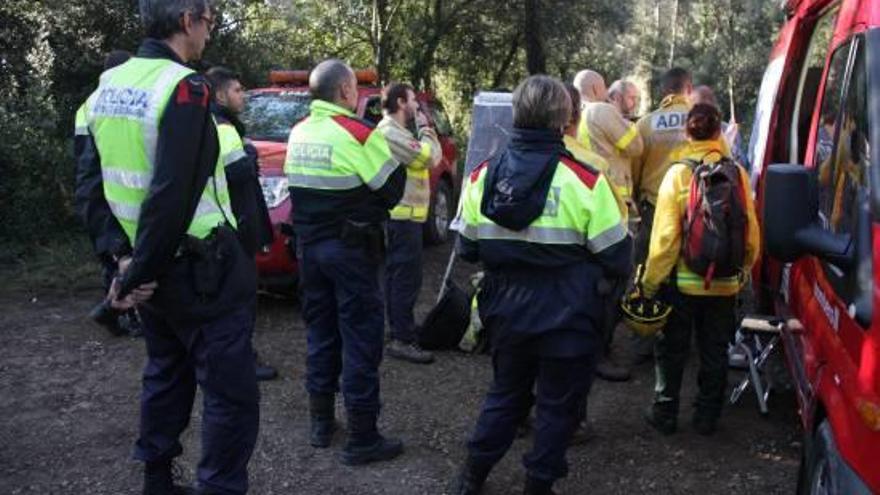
x: 624, y: 134
x: 607, y: 237
x: 666, y: 234
x: 381, y: 172
x: 417, y: 154
x: 186, y: 155
x: 108, y: 238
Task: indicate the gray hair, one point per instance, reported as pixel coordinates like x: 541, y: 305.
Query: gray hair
x: 619, y: 87
x: 161, y: 18
x: 541, y: 102
x: 327, y: 77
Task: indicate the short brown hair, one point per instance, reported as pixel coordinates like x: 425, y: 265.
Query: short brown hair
x: 392, y: 92
x: 703, y: 122
x: 575, y: 96
x: 541, y: 102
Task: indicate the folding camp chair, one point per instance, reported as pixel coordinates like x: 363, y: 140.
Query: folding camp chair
x: 756, y: 339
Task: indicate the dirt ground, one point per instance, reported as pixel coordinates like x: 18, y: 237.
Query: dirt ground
x: 69, y: 402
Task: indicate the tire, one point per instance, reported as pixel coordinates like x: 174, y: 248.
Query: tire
x: 439, y: 214
x: 819, y: 473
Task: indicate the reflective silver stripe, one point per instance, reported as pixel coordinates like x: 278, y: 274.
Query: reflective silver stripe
x: 337, y: 182
x: 466, y: 229
x: 126, y: 178
x: 206, y: 207
x: 607, y: 239
x: 151, y: 119
x: 125, y: 211
x: 381, y: 177
x: 540, y: 235
x: 82, y: 130
x: 233, y: 156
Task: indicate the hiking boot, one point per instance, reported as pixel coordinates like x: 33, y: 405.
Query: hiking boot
x: 538, y: 487
x: 583, y: 434
x: 383, y: 449
x: 130, y: 323
x: 159, y: 480
x: 365, y: 443
x: 610, y: 371
x: 322, y: 412
x: 409, y: 351
x: 704, y: 425
x: 663, y: 423
x: 471, y: 479
x: 105, y: 315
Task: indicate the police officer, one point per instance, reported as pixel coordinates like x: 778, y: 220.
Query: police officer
x: 546, y: 228
x: 343, y: 181
x: 242, y: 172
x: 156, y: 179
x: 403, y: 268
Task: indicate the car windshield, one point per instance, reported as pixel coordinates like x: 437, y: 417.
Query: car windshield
x: 269, y: 116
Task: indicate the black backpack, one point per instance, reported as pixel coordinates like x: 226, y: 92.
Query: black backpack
x: 715, y: 221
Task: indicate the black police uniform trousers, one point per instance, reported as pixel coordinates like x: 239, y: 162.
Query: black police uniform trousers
x: 342, y: 308
x: 216, y: 355
x: 713, y: 320
x: 560, y: 386
x: 403, y: 277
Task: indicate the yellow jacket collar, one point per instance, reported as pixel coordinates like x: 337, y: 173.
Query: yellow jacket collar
x: 674, y: 100
x: 711, y: 150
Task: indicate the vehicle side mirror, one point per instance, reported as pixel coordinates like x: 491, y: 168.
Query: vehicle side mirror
x: 790, y: 219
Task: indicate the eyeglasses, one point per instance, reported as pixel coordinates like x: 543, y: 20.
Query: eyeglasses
x: 210, y: 21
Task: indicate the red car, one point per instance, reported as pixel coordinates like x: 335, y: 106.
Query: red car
x: 818, y: 122
x: 273, y: 111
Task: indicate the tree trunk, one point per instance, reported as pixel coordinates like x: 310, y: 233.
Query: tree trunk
x: 536, y: 59
x: 674, y: 33
x: 501, y: 73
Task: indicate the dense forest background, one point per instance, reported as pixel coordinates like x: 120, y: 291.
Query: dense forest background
x: 51, y: 53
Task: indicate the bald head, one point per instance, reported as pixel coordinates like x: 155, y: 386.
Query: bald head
x: 333, y: 81
x: 591, y: 85
x: 703, y: 94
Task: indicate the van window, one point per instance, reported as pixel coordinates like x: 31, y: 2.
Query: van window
x: 842, y: 160
x: 808, y: 87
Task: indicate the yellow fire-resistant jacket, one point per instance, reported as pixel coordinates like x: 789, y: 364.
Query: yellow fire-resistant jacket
x: 418, y: 156
x: 584, y: 155
x: 604, y: 131
x: 667, y: 238
x: 662, y: 131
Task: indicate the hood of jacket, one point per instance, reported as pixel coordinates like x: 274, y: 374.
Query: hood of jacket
x: 518, y: 180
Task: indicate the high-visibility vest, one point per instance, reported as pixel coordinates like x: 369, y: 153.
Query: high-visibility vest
x: 231, y: 145
x: 331, y: 150
x: 581, y: 210
x: 123, y: 116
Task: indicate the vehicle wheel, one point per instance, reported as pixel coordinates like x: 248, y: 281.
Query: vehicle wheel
x: 817, y: 473
x: 439, y: 214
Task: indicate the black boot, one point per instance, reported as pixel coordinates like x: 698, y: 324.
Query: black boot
x: 322, y: 411
x: 365, y: 443
x: 159, y: 480
x: 471, y: 479
x: 535, y: 486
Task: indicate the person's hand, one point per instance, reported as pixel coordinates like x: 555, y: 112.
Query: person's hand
x: 421, y: 119
x: 139, y: 295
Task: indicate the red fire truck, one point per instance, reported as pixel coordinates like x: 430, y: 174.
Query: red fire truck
x: 273, y: 111
x: 815, y: 152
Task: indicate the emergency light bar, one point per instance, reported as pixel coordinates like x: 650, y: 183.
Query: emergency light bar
x: 292, y: 77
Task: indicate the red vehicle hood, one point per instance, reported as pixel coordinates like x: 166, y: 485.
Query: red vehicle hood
x: 272, y: 156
